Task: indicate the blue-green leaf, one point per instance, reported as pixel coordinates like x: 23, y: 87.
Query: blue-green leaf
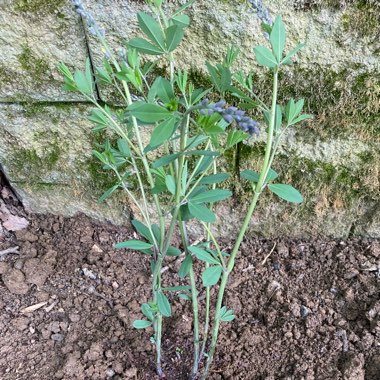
x: 162, y: 88
x: 287, y: 192
x: 203, y: 255
x: 170, y: 184
x: 134, y: 244
x: 141, y: 324
x: 202, y: 212
x: 163, y: 132
x: 226, y: 315
x: 152, y: 29
x: 148, y: 113
x: 145, y: 47
x: 84, y: 81
x: 98, y: 117
x: 211, y: 196
x: 272, y: 175
x: 108, y: 193
x: 250, y: 175
x: 174, y: 35
x: 234, y: 137
x: 278, y: 37
x: 173, y: 251
x: 265, y: 57
x: 214, y: 178
x: 301, y: 118
x: 183, y: 7
x: 142, y: 229
x: 288, y: 58
x: 181, y: 20
x: 163, y: 304
x: 147, y: 311
x: 165, y: 160
x: 185, y: 267
x: 212, y: 275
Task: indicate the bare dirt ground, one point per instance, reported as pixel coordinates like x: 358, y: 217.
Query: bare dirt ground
x: 311, y: 311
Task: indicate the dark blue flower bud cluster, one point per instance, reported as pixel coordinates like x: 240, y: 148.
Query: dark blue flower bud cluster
x: 262, y: 11
x: 93, y: 27
x: 230, y: 114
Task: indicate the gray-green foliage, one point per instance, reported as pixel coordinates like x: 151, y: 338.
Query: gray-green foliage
x: 177, y: 170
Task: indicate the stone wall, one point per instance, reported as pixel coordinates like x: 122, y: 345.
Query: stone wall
x: 45, y: 139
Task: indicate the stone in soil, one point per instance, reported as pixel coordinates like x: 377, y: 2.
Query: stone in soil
x: 14, y: 280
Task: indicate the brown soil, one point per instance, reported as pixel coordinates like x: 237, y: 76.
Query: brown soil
x: 311, y: 311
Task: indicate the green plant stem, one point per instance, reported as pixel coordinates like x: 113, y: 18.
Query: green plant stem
x: 231, y: 261
x: 194, y: 301
x: 156, y: 285
x: 208, y: 288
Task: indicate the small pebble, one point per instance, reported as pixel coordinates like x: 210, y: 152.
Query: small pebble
x: 57, y: 337
x: 110, y: 372
x: 305, y: 311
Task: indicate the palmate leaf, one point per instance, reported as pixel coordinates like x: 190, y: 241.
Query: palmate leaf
x: 147, y: 311
x: 145, y: 47
x: 286, y: 192
x: 301, y: 118
x: 265, y: 57
x: 151, y: 28
x: 226, y: 315
x: 148, y: 113
x: 234, y: 137
x: 253, y: 176
x: 84, y: 81
x: 98, y: 118
x: 203, y: 255
x: 278, y: 118
x: 142, y: 229
x: 162, y: 89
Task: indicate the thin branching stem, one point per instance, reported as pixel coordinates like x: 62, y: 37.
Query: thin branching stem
x: 231, y: 261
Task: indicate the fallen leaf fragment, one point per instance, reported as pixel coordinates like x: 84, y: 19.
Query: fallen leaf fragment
x: 32, y: 308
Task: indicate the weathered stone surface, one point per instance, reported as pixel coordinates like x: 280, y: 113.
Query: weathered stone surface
x: 14, y: 281
x: 45, y: 149
x: 35, y: 36
x: 327, y: 32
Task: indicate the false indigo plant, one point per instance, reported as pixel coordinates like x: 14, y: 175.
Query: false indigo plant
x: 177, y: 169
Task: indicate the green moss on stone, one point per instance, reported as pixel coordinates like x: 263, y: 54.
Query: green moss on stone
x: 39, y: 6
x: 363, y: 19
x: 344, y: 102
x: 36, y: 67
